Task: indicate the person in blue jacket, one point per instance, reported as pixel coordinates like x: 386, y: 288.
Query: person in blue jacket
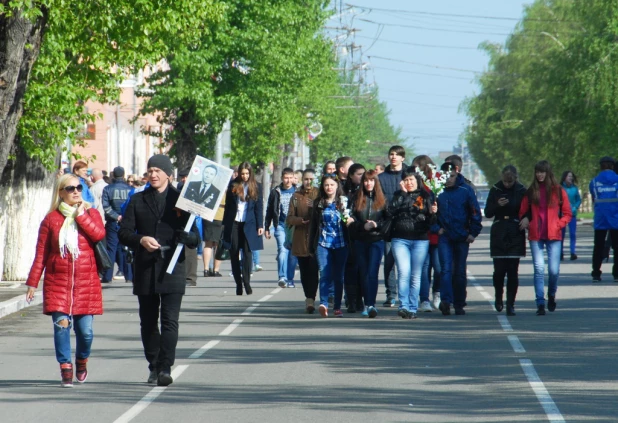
x: 569, y: 183
x: 459, y: 223
x: 80, y: 169
x: 604, y: 193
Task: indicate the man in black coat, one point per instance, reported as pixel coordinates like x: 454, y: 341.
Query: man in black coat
x: 152, y: 226
x: 204, y: 192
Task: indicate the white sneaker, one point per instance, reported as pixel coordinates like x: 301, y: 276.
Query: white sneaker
x: 258, y: 268
x: 436, y: 300
x: 282, y: 283
x: 425, y: 306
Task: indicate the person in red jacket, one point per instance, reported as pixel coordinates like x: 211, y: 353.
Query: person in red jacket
x: 544, y: 211
x: 71, y: 288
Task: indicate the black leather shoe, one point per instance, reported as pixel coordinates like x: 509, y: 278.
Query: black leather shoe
x: 573, y: 257
x: 152, y: 377
x: 164, y: 379
x: 540, y: 311
x: 460, y: 312
x: 499, y: 305
x: 248, y: 289
x: 445, y: 308
x: 551, y: 303
x: 510, y: 310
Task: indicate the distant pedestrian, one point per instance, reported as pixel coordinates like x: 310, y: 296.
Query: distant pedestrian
x: 114, y: 196
x: 413, y: 212
x: 432, y: 266
x: 276, y: 213
x: 243, y: 224
x: 299, y: 217
x: 153, y: 227
x: 97, y: 191
x: 369, y: 212
x: 71, y: 289
x: 604, y: 192
x: 329, y: 241
x: 507, y: 242
x: 544, y: 211
x: 389, y: 181
x: 329, y: 167
x: 569, y: 183
x: 211, y: 234
x: 379, y: 168
x: 459, y: 220
x: 80, y: 169
x: 352, y: 285
x: 343, y: 166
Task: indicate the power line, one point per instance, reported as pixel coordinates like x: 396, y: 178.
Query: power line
x: 418, y: 12
x: 434, y: 29
x: 443, y: 106
x: 419, y: 93
x: 419, y: 44
x: 425, y: 65
x: 423, y: 73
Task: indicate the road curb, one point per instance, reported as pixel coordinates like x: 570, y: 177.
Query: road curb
x: 18, y: 303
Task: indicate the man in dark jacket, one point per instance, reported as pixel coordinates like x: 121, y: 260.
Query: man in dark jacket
x: 457, y: 163
x: 389, y: 181
x: 153, y: 227
x: 459, y: 220
x: 114, y: 196
x: 276, y: 213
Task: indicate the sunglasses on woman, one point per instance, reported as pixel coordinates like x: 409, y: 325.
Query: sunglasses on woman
x: 70, y: 189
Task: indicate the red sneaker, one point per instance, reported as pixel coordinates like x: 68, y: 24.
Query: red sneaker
x: 338, y: 313
x: 81, y: 373
x: 66, y: 372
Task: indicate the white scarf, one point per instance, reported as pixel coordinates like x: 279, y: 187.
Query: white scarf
x: 68, y: 232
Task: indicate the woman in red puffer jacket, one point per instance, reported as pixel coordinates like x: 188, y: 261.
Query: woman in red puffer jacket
x: 71, y: 288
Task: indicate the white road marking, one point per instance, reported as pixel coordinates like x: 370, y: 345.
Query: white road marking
x: 486, y: 295
x: 148, y: 398
x: 266, y: 298
x: 250, y: 310
x: 517, y: 346
x: 504, y: 322
x: 231, y: 327
x: 202, y: 351
x: 277, y: 290
x: 548, y: 404
x: 17, y: 285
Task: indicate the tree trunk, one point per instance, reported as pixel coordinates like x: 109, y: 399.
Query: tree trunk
x: 20, y: 44
x: 26, y: 189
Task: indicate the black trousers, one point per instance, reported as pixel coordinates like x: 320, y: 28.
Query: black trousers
x: 239, y: 241
x: 191, y: 264
x: 598, y: 253
x: 159, y: 346
x: 508, y: 267
x: 309, y: 275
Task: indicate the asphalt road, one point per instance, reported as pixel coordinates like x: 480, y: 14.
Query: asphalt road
x: 260, y: 358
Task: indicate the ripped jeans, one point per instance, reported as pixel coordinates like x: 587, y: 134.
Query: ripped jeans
x: 82, y: 325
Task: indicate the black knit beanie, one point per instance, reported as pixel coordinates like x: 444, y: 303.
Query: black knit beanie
x: 162, y: 162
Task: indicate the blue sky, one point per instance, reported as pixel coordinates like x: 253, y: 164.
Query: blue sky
x: 426, y: 106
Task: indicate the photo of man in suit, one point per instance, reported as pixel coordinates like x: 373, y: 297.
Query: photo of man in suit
x: 204, y: 192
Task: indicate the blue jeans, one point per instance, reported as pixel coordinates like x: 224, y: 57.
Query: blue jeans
x: 286, y: 262
x: 113, y: 247
x: 82, y: 325
x: 332, y: 268
x: 431, y: 262
x: 572, y: 234
x: 409, y: 256
x: 538, y: 261
x: 453, y: 256
x: 256, y: 257
x: 368, y: 257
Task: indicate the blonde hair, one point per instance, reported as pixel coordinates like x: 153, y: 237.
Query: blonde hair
x: 62, y: 182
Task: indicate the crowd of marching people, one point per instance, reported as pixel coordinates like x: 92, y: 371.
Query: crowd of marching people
x: 339, y: 224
